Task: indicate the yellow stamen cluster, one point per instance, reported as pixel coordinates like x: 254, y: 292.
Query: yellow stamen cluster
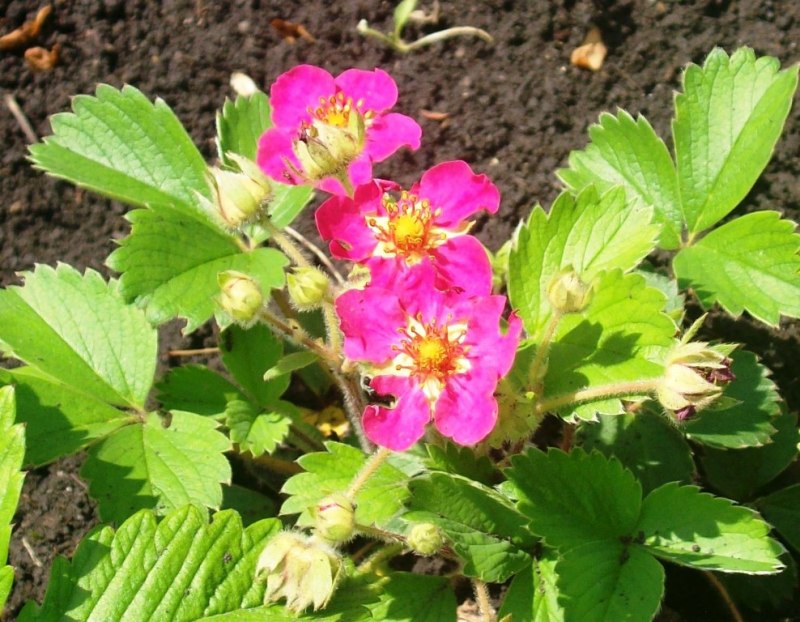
x: 435, y: 353
x: 335, y: 110
x: 409, y: 229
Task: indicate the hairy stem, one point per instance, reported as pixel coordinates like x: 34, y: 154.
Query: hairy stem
x: 618, y: 389
x: 488, y: 613
x: 542, y: 351
x: 301, y: 338
x: 736, y: 616
x: 315, y: 250
x: 381, y: 556
x: 286, y: 245
x: 367, y: 471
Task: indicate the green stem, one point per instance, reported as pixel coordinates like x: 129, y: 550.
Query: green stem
x: 435, y: 37
x: 380, y: 557
x: 301, y: 338
x: 286, y: 245
x: 542, y: 351
x: 368, y: 470
x: 488, y: 613
x: 619, y: 389
x: 354, y: 405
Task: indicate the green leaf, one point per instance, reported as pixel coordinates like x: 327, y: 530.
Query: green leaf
x: 461, y: 461
x: 691, y: 528
x: 291, y: 363
x: 178, y: 391
x: 645, y: 443
x: 749, y: 264
x: 151, y: 466
x: 287, y: 202
x: 622, y: 336
x: 331, y: 472
x: 609, y: 582
x: 248, y: 354
x: 762, y: 591
x: 60, y: 420
x: 77, y: 329
x: 749, y: 422
x: 407, y: 597
x: 121, y: 145
x: 483, y: 528
x: 251, y: 506
x: 209, y: 569
x: 240, y: 124
x: 401, y: 14
x: 676, y: 302
x: 628, y: 153
x: 533, y: 594
x: 727, y: 121
x: 12, y: 451
x: 170, y: 263
x: 575, y: 498
x: 589, y: 233
x: 255, y: 431
x: 782, y: 509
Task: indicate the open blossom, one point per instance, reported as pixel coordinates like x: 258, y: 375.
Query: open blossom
x: 440, y: 356
x: 328, y: 131
x: 397, y: 233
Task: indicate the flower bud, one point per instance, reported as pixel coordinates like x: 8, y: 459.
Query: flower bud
x: 240, y: 297
x: 301, y: 570
x: 335, y: 518
x: 425, y: 539
x: 500, y: 265
x: 239, y: 197
x: 308, y: 287
x: 568, y: 293
x: 326, y: 150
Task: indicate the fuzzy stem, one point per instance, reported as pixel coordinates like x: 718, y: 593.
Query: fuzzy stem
x: 488, y: 613
x: 542, y: 351
x: 286, y: 245
x: 354, y: 406
x: 619, y: 389
x: 298, y: 336
x: 367, y: 471
x: 313, y: 248
x: 735, y: 615
x: 384, y: 554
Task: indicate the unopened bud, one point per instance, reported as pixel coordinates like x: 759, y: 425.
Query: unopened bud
x: 425, y: 539
x: 335, y: 518
x: 568, y: 293
x: 240, y: 297
x: 239, y: 197
x: 500, y: 265
x: 308, y: 287
x: 300, y: 569
x: 326, y: 150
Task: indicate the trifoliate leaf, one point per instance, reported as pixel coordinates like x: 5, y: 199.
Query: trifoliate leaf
x: 179, y: 569
x: 60, y: 420
x: 332, y: 471
x: 645, y: 443
x: 254, y: 430
x: 240, y: 124
x: 727, y: 121
x: 575, y: 498
x: 692, y: 528
x: 749, y: 422
x: 751, y: 263
x: 407, y: 597
x: 589, y: 233
x: 248, y: 354
x: 628, y: 153
x: 782, y: 509
x: 533, y: 594
x: 622, y: 336
x: 121, y: 145
x: 482, y: 527
x: 178, y: 391
x: 461, y: 461
x: 609, y: 581
x: 739, y: 473
x: 77, y: 329
x: 12, y: 452
x: 170, y: 263
x: 148, y: 465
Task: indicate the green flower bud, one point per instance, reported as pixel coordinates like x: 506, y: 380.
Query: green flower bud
x: 300, y: 569
x: 568, y: 293
x: 500, y: 265
x: 326, y: 150
x: 426, y: 539
x: 240, y: 297
x: 308, y: 287
x: 335, y: 519
x: 239, y: 197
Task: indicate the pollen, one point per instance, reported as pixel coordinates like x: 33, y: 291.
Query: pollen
x: 432, y: 351
x: 408, y: 229
x: 335, y: 110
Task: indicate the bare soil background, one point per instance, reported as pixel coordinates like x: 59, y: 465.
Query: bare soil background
x: 514, y: 111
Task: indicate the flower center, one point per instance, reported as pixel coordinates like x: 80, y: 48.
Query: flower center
x: 431, y: 352
x: 408, y: 228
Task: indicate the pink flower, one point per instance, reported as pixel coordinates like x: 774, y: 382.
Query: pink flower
x: 328, y: 131
x: 397, y: 235
x: 439, y: 355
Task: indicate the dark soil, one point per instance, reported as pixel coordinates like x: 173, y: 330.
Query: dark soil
x: 515, y: 110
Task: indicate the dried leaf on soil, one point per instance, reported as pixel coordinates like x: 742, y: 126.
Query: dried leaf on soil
x: 592, y: 53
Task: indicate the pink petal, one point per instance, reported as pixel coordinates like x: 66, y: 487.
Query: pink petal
x: 274, y: 149
x: 490, y: 348
x: 397, y: 428
x: 369, y: 319
x: 418, y: 294
x: 359, y: 172
x: 462, y: 262
x: 466, y: 410
x: 375, y: 88
x: 458, y: 191
x: 341, y: 220
x: 389, y: 132
x: 297, y: 90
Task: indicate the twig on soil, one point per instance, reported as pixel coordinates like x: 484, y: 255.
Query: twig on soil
x: 29, y: 549
x: 24, y: 124
x: 194, y: 352
x: 78, y: 481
